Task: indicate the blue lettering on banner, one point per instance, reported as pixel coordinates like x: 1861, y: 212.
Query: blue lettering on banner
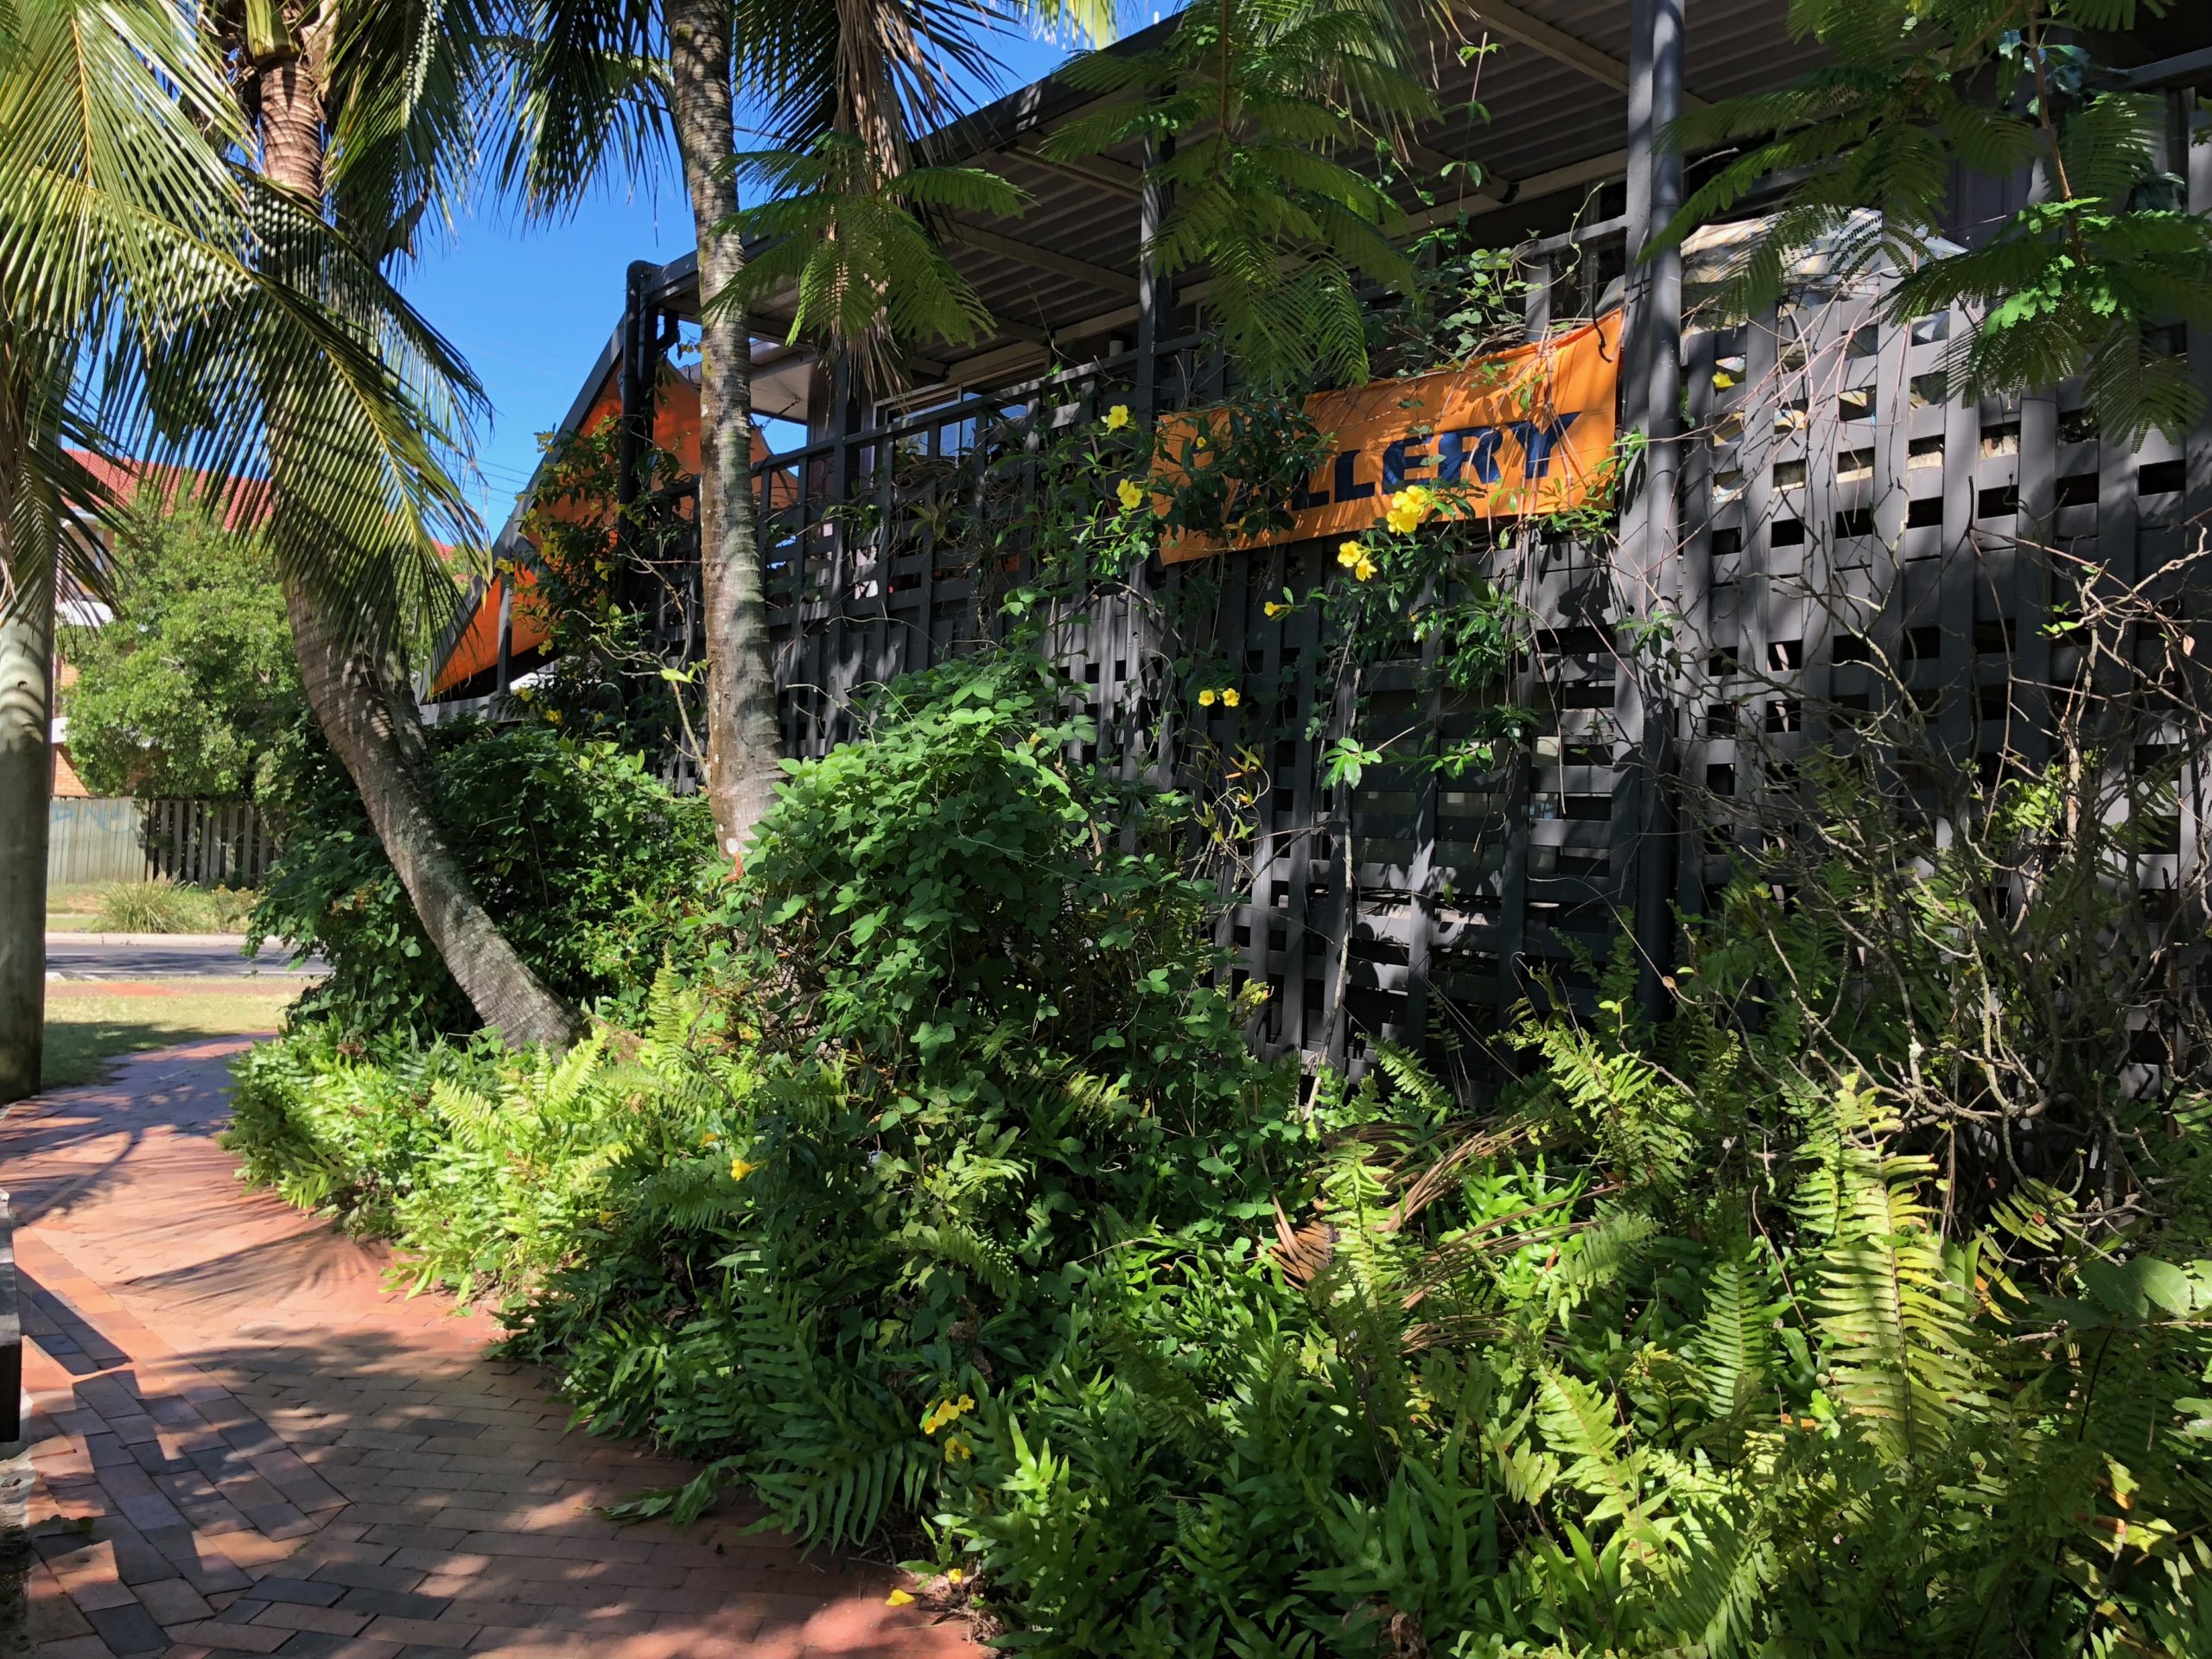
x: 1405, y: 453
x: 1469, y: 452
x: 1453, y: 453
x: 1538, y: 441
x: 1346, y: 490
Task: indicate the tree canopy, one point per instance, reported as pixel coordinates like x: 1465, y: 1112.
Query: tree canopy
x: 183, y: 692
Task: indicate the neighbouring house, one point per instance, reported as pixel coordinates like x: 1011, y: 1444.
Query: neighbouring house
x: 75, y: 611
x: 1813, y: 504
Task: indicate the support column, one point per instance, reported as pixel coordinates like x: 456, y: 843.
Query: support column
x: 1652, y: 390
x: 634, y: 379
x: 503, y: 676
x: 1155, y: 293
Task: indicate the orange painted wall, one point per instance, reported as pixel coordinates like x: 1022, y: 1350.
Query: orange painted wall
x: 675, y: 429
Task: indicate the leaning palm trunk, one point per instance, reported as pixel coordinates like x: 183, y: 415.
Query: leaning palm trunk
x: 744, y: 746
x: 368, y: 718
x: 371, y: 727
x: 29, y: 545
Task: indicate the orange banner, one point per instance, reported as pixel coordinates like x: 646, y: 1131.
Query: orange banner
x: 1530, y: 430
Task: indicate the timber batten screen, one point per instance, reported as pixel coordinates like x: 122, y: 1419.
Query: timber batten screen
x: 1835, y: 511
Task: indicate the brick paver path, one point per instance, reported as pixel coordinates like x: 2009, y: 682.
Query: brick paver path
x: 245, y: 1445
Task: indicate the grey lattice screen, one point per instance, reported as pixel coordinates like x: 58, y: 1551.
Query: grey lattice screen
x: 1836, y: 509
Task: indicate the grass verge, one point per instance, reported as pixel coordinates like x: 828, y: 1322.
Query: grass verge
x: 90, y: 1024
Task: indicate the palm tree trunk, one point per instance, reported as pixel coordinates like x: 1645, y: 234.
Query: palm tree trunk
x: 743, y: 743
x: 370, y: 722
x: 368, y: 717
x: 26, y: 774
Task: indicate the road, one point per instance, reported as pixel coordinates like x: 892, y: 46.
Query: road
x: 155, y: 956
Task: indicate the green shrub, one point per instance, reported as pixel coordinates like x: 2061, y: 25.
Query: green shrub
x: 951, y: 1207
x: 581, y: 855
x: 491, y: 1169
x: 343, y: 1124
x: 163, y: 906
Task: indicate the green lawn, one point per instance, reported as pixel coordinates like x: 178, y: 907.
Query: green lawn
x: 89, y: 1024
x: 73, y: 910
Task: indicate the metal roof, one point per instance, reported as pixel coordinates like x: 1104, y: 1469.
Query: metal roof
x: 1543, y: 114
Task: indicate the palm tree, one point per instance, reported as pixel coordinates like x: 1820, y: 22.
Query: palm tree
x: 363, y: 115
x: 156, y: 296
x: 594, y: 99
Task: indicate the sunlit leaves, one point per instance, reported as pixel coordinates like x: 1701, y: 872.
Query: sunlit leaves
x: 1260, y: 98
x: 853, y: 245
x: 2080, y: 281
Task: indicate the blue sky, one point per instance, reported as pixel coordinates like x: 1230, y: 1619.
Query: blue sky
x: 531, y: 305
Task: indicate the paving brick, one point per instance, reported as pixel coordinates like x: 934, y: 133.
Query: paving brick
x: 234, y: 1638
x: 54, y: 1616
x: 311, y: 1644
x: 279, y: 1456
x: 293, y: 1615
x: 306, y: 1592
x: 368, y: 1575
x: 172, y: 1601
x: 451, y: 1634
x: 398, y: 1603
x: 127, y: 1629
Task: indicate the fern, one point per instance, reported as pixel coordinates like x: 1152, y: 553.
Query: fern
x: 1896, y: 1304
x: 1734, y: 1342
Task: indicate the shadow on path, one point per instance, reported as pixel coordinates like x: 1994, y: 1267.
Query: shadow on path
x: 245, y: 1443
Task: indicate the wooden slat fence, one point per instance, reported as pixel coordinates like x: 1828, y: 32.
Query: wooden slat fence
x: 202, y: 844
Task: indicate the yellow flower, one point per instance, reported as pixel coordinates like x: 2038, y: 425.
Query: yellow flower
x: 1205, y: 698
x: 1117, y: 418
x: 1130, y: 494
x: 954, y: 1575
x: 1198, y: 443
x: 898, y: 1598
x: 1363, y: 571
x: 738, y: 1169
x: 1409, y: 507
x: 957, y: 1449
x: 1272, y: 609
x: 553, y: 714
x: 947, y: 1411
x: 1349, y: 553
x: 1230, y: 696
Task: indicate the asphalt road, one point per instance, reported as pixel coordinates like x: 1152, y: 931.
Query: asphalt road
x: 153, y: 955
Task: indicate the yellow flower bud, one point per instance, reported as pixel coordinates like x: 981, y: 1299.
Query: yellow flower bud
x: 1272, y: 608
x: 738, y: 1169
